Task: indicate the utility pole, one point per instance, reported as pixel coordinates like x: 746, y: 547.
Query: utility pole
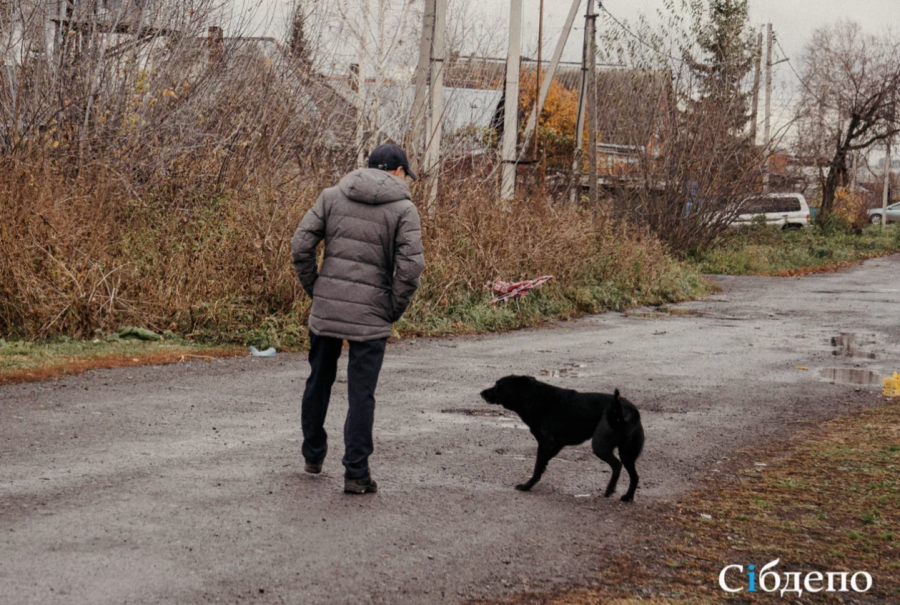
x: 531, y: 126
x: 416, y: 134
x: 537, y: 80
x: 379, y: 75
x: 361, y: 91
x: 436, y: 135
x: 579, y: 124
x: 886, y: 196
x: 511, y: 109
x: 754, y: 116
x: 767, y: 132
x: 592, y: 105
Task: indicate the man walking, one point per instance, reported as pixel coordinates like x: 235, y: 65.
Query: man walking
x: 371, y: 269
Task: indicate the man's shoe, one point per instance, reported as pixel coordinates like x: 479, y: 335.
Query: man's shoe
x: 360, y: 486
x: 313, y: 467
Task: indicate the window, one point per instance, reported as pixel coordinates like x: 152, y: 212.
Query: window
x: 763, y: 205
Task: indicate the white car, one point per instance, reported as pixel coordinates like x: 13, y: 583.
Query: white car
x: 788, y: 210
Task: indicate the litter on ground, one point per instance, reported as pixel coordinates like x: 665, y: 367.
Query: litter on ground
x: 502, y: 291
x: 270, y: 352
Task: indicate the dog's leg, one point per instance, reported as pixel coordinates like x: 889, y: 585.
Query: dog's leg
x: 632, y: 479
x: 544, y: 455
x: 608, y: 457
x: 603, y: 444
x: 629, y: 453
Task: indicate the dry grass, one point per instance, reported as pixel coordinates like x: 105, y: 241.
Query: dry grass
x: 829, y: 502
x: 74, y: 365
x: 76, y: 258
x: 77, y: 255
x: 33, y: 362
x: 596, y: 265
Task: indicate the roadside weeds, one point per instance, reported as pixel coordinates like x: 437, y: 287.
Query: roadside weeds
x: 33, y: 362
x: 771, y: 251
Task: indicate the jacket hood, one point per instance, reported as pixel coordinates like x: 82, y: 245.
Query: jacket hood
x: 372, y: 186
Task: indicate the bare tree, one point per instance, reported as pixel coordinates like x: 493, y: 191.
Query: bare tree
x: 677, y: 120
x: 851, y: 82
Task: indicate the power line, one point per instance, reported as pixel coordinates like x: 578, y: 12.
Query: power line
x: 785, y: 58
x: 651, y: 46
x: 797, y: 74
x: 788, y: 61
x: 637, y: 37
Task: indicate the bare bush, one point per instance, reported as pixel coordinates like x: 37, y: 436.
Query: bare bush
x: 152, y: 170
x: 78, y: 260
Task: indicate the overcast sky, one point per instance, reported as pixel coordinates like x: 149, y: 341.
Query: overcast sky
x: 793, y: 20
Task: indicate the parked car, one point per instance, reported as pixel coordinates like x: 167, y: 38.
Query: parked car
x: 893, y: 215
x: 789, y: 210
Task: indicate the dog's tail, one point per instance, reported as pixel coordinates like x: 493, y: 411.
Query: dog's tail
x: 617, y: 416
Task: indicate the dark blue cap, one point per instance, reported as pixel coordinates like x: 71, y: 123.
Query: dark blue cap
x: 390, y: 157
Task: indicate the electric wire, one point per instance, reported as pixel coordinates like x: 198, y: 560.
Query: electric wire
x: 797, y: 74
x: 637, y: 37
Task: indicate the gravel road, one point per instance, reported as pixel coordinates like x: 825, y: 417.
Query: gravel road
x: 184, y: 484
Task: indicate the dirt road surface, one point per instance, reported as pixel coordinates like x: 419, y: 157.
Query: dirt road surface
x: 184, y: 484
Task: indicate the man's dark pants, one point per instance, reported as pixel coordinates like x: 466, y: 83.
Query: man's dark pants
x: 362, y: 378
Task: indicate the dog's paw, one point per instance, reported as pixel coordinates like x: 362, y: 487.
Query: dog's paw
x: 627, y: 498
x: 523, y: 487
x: 609, y: 493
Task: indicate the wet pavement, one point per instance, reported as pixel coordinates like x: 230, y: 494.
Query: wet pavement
x: 184, y: 484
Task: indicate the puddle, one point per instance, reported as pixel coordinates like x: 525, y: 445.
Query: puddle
x: 681, y: 312
x: 644, y: 315
x: 858, y: 377
x: 660, y: 312
x: 570, y: 371
x: 473, y: 412
x: 850, y: 291
x: 848, y: 345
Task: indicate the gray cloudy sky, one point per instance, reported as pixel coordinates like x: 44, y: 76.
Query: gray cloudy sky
x: 793, y: 20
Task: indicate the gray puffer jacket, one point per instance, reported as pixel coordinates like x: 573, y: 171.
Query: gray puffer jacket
x: 373, y: 256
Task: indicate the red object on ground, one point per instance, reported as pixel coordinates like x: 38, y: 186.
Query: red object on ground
x: 502, y: 291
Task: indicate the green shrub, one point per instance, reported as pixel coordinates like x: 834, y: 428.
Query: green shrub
x: 771, y: 251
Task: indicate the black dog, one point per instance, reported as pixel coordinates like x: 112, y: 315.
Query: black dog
x: 561, y: 417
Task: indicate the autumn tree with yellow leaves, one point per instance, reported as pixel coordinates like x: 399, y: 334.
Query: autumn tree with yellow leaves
x: 559, y: 117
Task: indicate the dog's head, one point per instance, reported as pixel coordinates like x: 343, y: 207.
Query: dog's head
x: 510, y: 392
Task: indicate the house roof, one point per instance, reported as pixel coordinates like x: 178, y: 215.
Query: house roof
x: 463, y: 108
x: 628, y: 101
